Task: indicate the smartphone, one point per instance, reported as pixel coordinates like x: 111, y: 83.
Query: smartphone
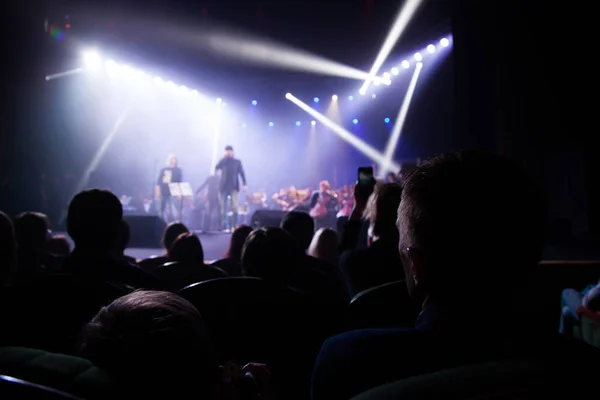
x: 365, y: 176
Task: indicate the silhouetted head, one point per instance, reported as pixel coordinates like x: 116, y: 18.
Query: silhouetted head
x: 172, y: 231
x: 58, y: 244
x: 236, y: 242
x: 324, y: 245
x: 94, y: 219
x: 271, y: 254
x: 470, y: 225
x: 187, y: 248
x: 300, y: 226
x: 382, y: 210
x: 124, y: 237
x: 32, y: 231
x: 152, y: 342
x: 8, y: 250
x: 228, y: 151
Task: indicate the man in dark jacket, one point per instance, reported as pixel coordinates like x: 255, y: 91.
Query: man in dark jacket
x: 231, y: 168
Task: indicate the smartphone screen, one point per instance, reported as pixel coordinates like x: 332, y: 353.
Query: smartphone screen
x: 365, y: 175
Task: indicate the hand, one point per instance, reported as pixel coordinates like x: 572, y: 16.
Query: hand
x: 262, y: 377
x: 362, y: 192
x: 244, y: 188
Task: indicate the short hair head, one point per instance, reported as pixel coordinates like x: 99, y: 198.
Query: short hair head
x: 300, y: 226
x: 94, y: 219
x: 172, y: 160
x: 151, y: 336
x: 475, y: 220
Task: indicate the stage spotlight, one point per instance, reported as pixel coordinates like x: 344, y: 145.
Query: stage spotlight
x: 91, y: 59
x: 431, y: 49
x: 288, y: 96
x: 140, y: 73
x: 313, y: 123
x: 183, y: 88
x: 350, y: 98
x: 355, y: 121
x: 316, y: 99
x: 110, y: 64
x: 386, y: 76
x: 373, y: 96
x: 195, y: 92
x: 298, y: 123
x: 419, y: 65
x: 126, y: 69
x: 271, y: 124
x: 362, y: 92
x: 254, y: 102
x: 157, y: 79
x: 388, y: 82
x: 418, y: 56
x: 444, y: 42
x: 334, y: 97
x: 171, y: 84
x: 377, y: 83
x: 395, y: 71
x: 405, y: 64
x: 387, y: 120
x: 219, y: 100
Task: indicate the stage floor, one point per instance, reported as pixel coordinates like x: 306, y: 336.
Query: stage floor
x: 215, y: 245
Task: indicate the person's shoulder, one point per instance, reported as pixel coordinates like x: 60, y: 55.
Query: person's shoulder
x: 364, y: 340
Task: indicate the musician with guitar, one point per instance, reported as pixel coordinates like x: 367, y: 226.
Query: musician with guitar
x: 324, y: 206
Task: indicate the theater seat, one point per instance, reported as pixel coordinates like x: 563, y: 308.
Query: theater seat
x: 13, y: 388
x: 519, y: 379
x: 383, y: 306
x: 68, y: 374
x: 178, y: 275
x: 250, y: 319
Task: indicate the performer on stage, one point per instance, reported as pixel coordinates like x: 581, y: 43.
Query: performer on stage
x: 323, y: 204
x: 231, y: 169
x: 169, y: 174
x: 212, y: 197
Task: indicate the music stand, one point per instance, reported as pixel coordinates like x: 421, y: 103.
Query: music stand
x: 183, y: 190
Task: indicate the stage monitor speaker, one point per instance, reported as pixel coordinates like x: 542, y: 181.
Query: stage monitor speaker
x: 146, y: 230
x: 266, y: 218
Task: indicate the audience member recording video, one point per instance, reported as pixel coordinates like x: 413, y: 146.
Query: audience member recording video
x: 444, y: 285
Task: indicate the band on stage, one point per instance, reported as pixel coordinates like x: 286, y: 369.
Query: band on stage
x: 216, y: 204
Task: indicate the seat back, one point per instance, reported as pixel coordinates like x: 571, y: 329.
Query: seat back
x: 250, y: 319
x: 515, y: 379
x: 150, y: 264
x: 179, y: 275
x: 231, y: 267
x: 13, y: 388
x: 383, y: 306
x: 245, y: 315
x: 67, y: 374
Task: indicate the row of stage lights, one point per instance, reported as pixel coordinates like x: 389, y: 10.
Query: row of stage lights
x: 93, y: 62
